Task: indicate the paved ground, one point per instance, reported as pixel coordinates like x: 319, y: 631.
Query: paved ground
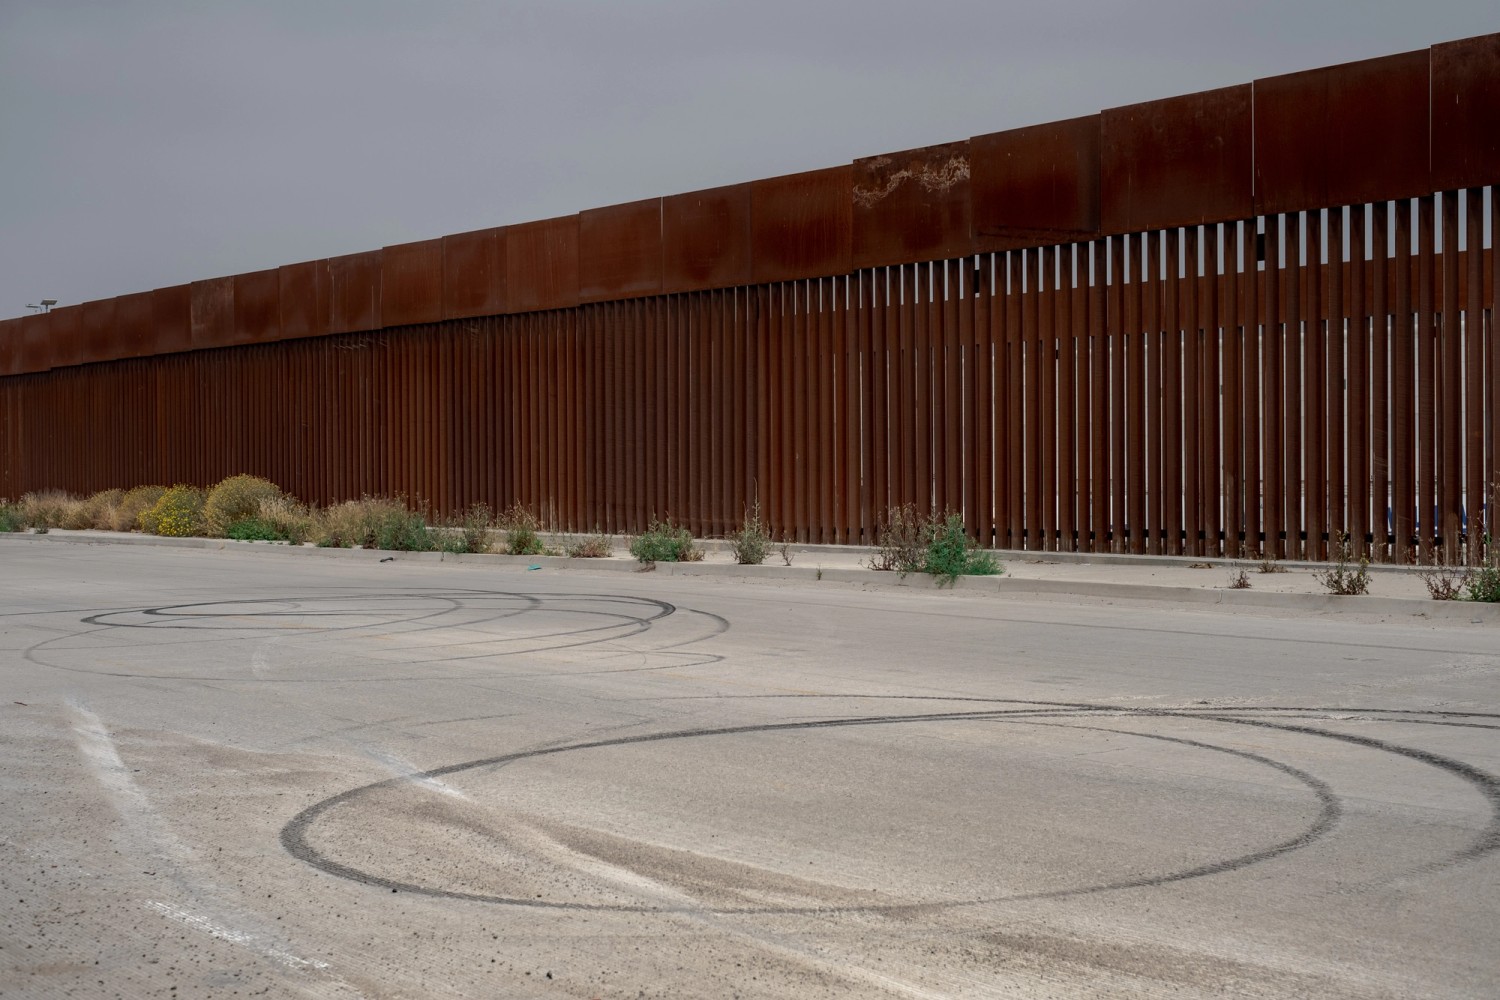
x: 251, y: 772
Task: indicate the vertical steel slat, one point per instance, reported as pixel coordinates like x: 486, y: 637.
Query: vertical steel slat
x: 1314, y: 411
x: 963, y: 291
x: 1236, y: 411
x: 824, y: 482
x: 1212, y: 390
x: 1068, y: 393
x: 982, y: 396
x: 1358, y: 391
x: 1137, y: 363
x: 1403, y: 381
x: 1335, y: 368
x: 761, y: 397
x: 742, y: 423
x: 1192, y: 397
x: 1031, y: 401
x: 1293, y: 469
x: 1002, y: 381
x: 787, y: 360
x: 1015, y: 391
x: 871, y: 423
x: 951, y: 352
x: 1171, y: 391
x: 1273, y: 392
x: 1427, y: 385
x: 1047, y: 358
x: 1450, y: 422
x: 1473, y: 334
x: 1150, y: 425
x: 923, y: 336
x: 1099, y: 449
x: 906, y: 459
x: 1492, y: 304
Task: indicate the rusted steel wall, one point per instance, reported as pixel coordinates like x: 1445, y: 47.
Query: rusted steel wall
x: 1247, y: 320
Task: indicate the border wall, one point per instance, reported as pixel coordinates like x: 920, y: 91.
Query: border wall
x: 1245, y: 320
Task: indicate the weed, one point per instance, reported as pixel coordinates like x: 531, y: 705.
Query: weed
x: 784, y: 549
x: 375, y: 523
x: 291, y: 521
x: 1447, y: 583
x: 127, y: 514
x: 901, y: 541
x: 751, y: 543
x: 1340, y: 579
x: 521, y: 528
x: 1239, y: 579
x: 177, y: 514
x: 10, y: 517
x: 595, y: 546
x: 235, y: 498
x: 99, y: 510
x: 49, y: 508
x: 665, y: 542
x: 475, y: 526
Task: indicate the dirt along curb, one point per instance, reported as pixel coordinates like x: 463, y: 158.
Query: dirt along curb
x: 1025, y: 573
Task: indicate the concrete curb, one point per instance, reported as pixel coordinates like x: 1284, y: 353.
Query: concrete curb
x: 1203, y: 596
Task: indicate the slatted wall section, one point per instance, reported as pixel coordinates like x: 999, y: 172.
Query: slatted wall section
x: 1257, y: 387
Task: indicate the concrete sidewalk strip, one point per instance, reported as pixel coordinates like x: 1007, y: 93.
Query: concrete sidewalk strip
x: 1395, y: 590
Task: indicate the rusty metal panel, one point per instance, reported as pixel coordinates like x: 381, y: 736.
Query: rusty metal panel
x: 542, y: 264
x: 1466, y: 113
x: 800, y: 224
x: 66, y: 334
x: 96, y: 325
x: 911, y: 205
x: 411, y: 283
x: 1181, y: 161
x: 354, y: 292
x: 10, y: 346
x: 171, y: 328
x: 304, y: 294
x: 706, y: 239
x: 1037, y: 185
x: 135, y: 323
x: 257, y: 307
x: 212, y: 313
x: 474, y: 274
x: 35, y: 353
x: 1343, y: 135
x: 619, y: 251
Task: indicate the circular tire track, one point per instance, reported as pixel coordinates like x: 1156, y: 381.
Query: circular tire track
x: 610, y: 618
x: 294, y: 836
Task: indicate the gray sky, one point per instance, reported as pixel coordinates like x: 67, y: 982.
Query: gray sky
x: 150, y: 143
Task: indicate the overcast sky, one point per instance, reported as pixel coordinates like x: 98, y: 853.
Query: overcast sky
x: 145, y: 144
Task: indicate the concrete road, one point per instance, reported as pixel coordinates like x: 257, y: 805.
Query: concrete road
x: 267, y: 774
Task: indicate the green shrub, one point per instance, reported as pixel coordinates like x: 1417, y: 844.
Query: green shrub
x: 254, y: 529
x: 135, y: 503
x: 236, y: 498
x: 1484, y: 583
x: 751, y: 544
x: 951, y: 553
x: 178, y: 514
x: 522, y: 537
x: 665, y: 542
x: 10, y: 517
x: 403, y: 531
